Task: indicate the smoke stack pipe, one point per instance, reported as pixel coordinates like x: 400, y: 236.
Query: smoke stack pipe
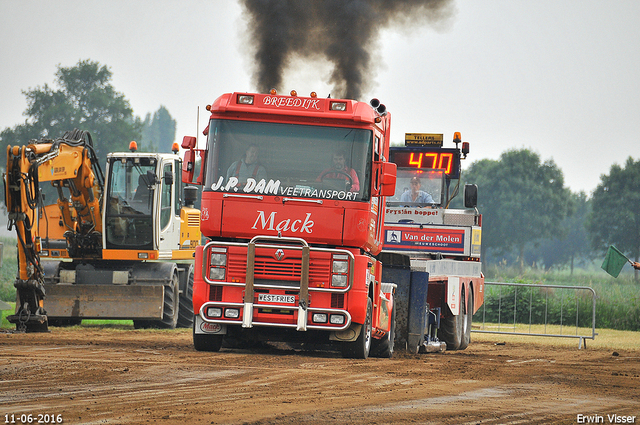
x: 377, y: 106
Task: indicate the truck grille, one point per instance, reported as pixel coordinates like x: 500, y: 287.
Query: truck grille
x: 267, y: 270
x: 215, y: 293
x: 337, y: 300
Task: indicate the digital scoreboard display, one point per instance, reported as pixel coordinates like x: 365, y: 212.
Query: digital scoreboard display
x: 427, y: 158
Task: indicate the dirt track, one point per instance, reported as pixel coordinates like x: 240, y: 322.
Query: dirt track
x: 106, y: 376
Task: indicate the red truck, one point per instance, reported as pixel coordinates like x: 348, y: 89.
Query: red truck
x: 293, y: 214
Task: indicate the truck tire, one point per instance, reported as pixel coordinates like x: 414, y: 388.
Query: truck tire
x: 360, y: 348
x: 384, y: 347
x: 171, y: 304
x: 185, y: 312
x: 466, y: 323
x: 451, y: 331
x: 203, y: 342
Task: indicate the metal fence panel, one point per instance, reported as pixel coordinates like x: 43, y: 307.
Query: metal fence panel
x: 510, y: 304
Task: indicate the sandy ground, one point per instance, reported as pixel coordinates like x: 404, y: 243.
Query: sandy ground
x: 111, y: 376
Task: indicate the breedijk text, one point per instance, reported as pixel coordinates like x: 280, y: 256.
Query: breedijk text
x: 292, y: 102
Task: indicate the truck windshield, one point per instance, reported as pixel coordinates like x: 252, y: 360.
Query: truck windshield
x: 130, y: 203
x: 289, y: 160
x: 416, y: 188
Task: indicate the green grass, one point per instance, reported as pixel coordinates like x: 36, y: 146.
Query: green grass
x: 5, y: 324
x: 9, y: 269
x: 116, y: 324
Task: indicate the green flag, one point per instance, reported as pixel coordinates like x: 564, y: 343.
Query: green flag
x: 614, y: 261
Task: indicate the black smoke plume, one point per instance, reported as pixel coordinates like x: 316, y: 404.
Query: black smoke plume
x: 344, y: 32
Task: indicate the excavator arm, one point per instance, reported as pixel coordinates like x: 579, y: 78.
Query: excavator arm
x: 67, y: 162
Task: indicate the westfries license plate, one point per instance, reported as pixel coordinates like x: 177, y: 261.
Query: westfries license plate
x: 273, y: 298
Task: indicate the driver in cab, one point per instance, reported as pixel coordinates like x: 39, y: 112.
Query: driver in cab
x: 339, y: 170
x: 415, y: 195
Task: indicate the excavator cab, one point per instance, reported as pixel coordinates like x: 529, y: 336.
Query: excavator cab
x: 145, y: 208
x: 131, y: 191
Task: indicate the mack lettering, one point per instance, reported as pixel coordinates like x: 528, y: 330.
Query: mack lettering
x: 269, y: 223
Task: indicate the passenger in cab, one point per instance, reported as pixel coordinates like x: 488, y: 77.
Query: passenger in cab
x: 248, y: 166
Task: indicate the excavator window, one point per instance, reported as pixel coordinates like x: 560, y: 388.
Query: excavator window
x: 130, y: 194
x: 165, y: 201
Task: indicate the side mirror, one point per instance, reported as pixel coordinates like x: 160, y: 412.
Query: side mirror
x: 188, y: 142
x: 189, y: 162
x: 385, y: 175
x: 470, y: 196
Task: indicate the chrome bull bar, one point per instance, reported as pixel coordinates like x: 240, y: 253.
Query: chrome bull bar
x: 250, y: 285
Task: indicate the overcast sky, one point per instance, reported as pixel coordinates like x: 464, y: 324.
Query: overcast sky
x: 560, y: 77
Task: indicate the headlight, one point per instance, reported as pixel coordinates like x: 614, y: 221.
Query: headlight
x: 216, y: 273
x: 218, y: 259
x: 232, y: 313
x: 340, y: 270
x: 336, y: 319
x: 338, y: 106
x: 340, y: 267
x: 245, y: 99
x: 319, y: 318
x: 339, y: 280
x: 214, y: 312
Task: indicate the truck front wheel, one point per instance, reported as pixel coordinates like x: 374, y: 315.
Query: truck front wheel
x: 204, y: 342
x: 359, y: 349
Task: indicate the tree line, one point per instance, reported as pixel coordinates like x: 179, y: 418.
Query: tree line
x: 83, y: 97
x: 530, y: 217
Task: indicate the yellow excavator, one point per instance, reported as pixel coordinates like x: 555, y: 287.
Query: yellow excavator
x: 91, y: 247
